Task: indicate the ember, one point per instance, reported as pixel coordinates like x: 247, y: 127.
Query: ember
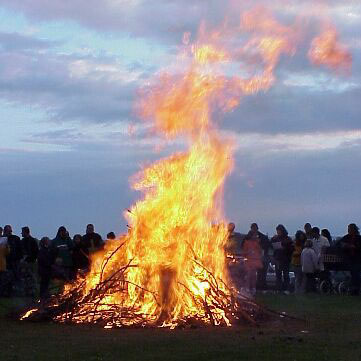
x: 170, y: 269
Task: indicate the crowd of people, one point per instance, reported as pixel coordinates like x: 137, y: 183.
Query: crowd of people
x: 26, y: 261
x: 251, y: 255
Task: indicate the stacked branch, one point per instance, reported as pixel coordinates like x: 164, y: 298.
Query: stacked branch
x: 76, y: 306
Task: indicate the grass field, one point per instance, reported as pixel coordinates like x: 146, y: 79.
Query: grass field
x: 332, y: 332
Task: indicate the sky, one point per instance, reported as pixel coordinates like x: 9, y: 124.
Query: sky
x: 70, y: 139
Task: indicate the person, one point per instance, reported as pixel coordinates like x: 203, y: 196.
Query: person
x: 5, y: 275
x: 46, y: 259
x: 27, y: 267
x: 234, y: 240
x: 326, y: 233
x: 265, y: 246
x: 15, y: 252
x: 300, y: 239
x: 29, y: 245
x: 80, y: 255
x: 282, y: 252
x: 233, y: 248
x: 320, y: 243
x: 309, y: 261
x: 111, y: 236
x: 308, y: 230
x: 62, y: 246
x: 93, y: 241
x: 351, y: 245
x: 252, y: 252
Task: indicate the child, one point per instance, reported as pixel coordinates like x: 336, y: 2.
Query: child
x: 253, y: 261
x: 309, y: 261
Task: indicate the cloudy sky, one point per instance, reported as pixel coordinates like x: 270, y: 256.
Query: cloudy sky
x: 70, y: 72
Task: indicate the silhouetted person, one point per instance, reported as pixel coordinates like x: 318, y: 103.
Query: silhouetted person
x: 265, y: 245
x: 351, y: 244
x: 46, y: 259
x: 80, y: 255
x: 308, y: 230
x: 326, y: 233
x: 30, y: 246
x: 30, y: 250
x: 282, y: 252
x: 5, y: 275
x: 234, y: 241
x: 111, y: 235
x: 252, y: 252
x: 233, y: 248
x: 93, y: 241
x: 63, y: 246
x: 320, y: 243
x: 300, y: 240
x: 309, y: 261
x: 15, y: 252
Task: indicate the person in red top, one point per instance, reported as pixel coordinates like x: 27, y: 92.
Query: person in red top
x: 252, y: 252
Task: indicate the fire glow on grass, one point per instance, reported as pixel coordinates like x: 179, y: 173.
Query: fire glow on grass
x: 170, y: 267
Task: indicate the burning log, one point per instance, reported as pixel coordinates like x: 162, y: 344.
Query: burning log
x: 72, y: 306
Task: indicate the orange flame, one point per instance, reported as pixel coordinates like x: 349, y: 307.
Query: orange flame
x: 172, y: 248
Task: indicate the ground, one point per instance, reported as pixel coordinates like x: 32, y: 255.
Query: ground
x: 331, y: 332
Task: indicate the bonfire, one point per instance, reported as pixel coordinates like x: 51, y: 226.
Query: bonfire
x: 170, y: 269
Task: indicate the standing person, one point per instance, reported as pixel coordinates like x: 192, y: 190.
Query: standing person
x: 15, y: 252
x: 320, y: 243
x: 80, y: 255
x: 93, y: 241
x: 252, y: 252
x: 351, y: 244
x: 30, y: 251
x: 265, y: 246
x: 234, y: 248
x: 300, y: 239
x: 5, y: 275
x: 62, y: 246
x: 308, y: 230
x: 282, y: 252
x: 46, y: 259
x: 326, y: 233
x: 234, y: 241
x: 309, y: 261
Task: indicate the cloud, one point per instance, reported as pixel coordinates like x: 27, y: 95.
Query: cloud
x: 68, y: 87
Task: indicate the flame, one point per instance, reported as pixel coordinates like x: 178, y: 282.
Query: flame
x: 173, y: 256
x: 326, y: 50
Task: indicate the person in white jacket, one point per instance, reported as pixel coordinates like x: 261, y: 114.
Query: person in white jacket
x: 310, y: 266
x: 319, y: 244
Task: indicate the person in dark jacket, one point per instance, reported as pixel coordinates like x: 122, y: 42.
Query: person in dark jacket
x: 282, y: 253
x: 80, y: 255
x: 93, y: 241
x: 15, y: 252
x: 308, y: 230
x: 351, y: 245
x: 29, y: 245
x: 265, y: 245
x: 27, y: 266
x: 46, y: 259
x: 62, y: 245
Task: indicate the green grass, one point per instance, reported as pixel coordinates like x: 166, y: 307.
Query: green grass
x: 333, y: 325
